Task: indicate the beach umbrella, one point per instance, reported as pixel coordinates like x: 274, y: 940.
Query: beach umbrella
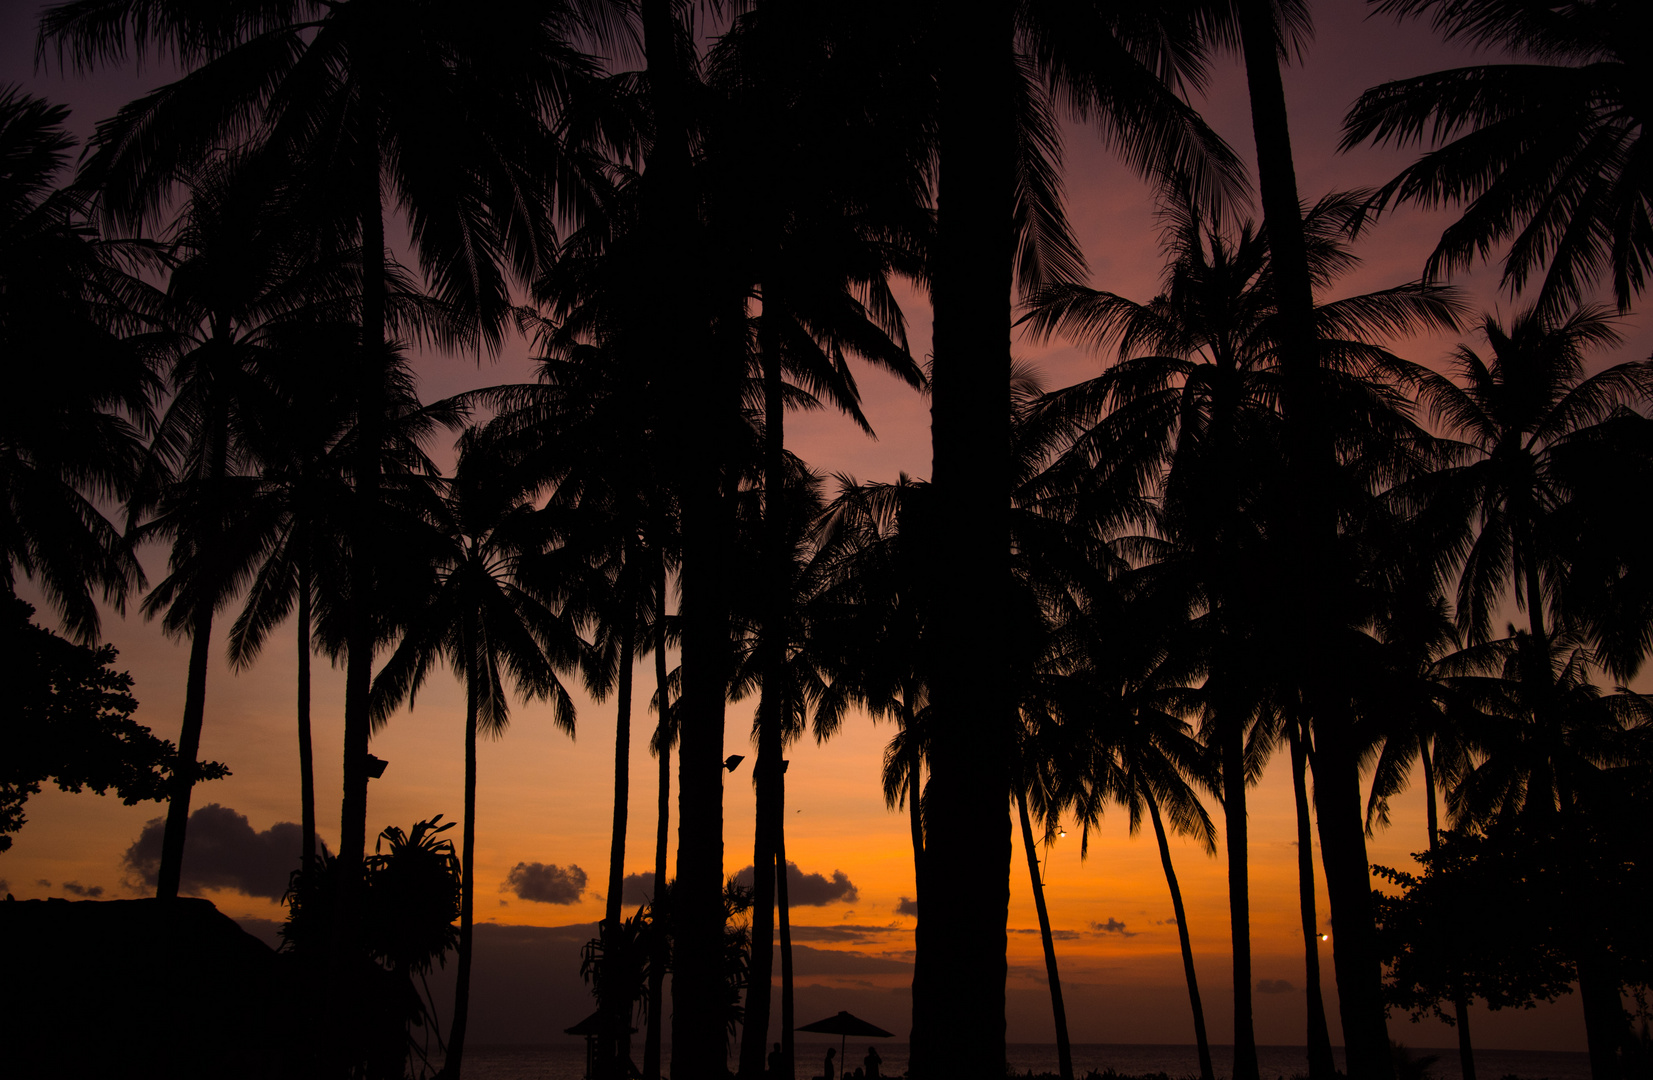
x: 844, y: 1025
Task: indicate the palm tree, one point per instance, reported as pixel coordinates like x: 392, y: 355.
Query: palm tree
x: 993, y: 183
x: 426, y: 107
x: 1112, y: 706
x: 1418, y: 712
x: 487, y: 614
x: 1265, y: 31
x: 1548, y: 154
x: 661, y: 745
x: 1511, y: 416
x: 1192, y: 413
x: 73, y: 430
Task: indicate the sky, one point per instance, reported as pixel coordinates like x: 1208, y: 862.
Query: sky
x: 543, y: 813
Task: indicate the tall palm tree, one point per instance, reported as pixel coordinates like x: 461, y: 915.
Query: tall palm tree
x: 1129, y: 744
x: 488, y: 614
x: 73, y: 430
x: 1547, y: 152
x: 1113, y: 64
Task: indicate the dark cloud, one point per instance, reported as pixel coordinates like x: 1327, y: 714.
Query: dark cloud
x: 1064, y: 935
x: 845, y: 933
x: 811, y: 961
x: 90, y: 891
x: 223, y: 852
x: 546, y: 883
x: 907, y: 906
x: 810, y: 890
x: 637, y: 888
x: 1274, y: 986
x: 1172, y: 921
x: 1112, y: 926
x: 43, y: 883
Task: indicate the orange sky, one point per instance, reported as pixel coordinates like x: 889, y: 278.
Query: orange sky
x: 545, y: 798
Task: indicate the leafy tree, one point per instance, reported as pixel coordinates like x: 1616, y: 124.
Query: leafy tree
x: 1474, y: 923
x: 68, y: 719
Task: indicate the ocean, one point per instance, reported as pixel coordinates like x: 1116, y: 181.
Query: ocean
x: 566, y: 1061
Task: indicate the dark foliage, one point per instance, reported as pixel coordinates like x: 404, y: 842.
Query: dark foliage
x: 68, y: 719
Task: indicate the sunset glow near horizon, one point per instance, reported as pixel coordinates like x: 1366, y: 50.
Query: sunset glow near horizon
x: 545, y: 798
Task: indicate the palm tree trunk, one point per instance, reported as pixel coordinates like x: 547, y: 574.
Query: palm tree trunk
x: 1239, y: 893
x: 1064, y: 1052
x: 359, y: 643
x: 709, y: 395
x: 1606, y: 1024
x: 1312, y: 534
x: 189, y: 749
x: 1338, y: 812
x: 306, y: 755
x: 789, y: 1017
x: 1460, y: 1000
x: 1321, y: 1064
x: 467, y: 881
x: 615, y: 1000
x: 663, y: 744
x: 961, y: 944
x: 1204, y: 1043
x: 766, y: 774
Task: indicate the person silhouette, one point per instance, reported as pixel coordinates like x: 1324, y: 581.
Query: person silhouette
x: 872, y: 1061
x: 827, y: 1069
x: 775, y: 1060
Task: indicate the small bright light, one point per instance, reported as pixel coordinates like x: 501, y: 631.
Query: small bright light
x: 1061, y: 832
x: 1325, y: 937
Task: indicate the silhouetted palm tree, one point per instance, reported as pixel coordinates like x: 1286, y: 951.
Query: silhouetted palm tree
x: 997, y: 217
x: 487, y: 615
x: 1548, y: 152
x: 1509, y: 417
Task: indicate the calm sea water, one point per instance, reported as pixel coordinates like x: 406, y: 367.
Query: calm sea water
x: 566, y: 1061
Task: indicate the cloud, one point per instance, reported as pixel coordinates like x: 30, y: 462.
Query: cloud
x: 1112, y: 926
x: 223, y: 852
x: 845, y: 933
x: 811, y: 961
x: 1172, y: 921
x: 546, y: 883
x: 92, y: 891
x: 810, y: 890
x: 907, y: 906
x: 1055, y: 935
x: 1274, y: 986
x: 5, y: 886
x: 637, y: 888
x: 43, y: 883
